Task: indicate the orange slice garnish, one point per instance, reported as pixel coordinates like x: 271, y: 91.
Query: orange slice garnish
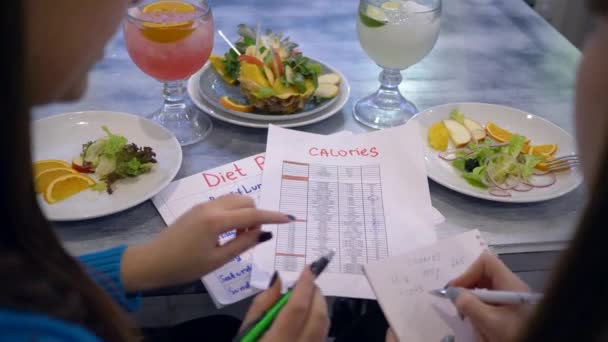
x: 500, y: 134
x: 543, y: 150
x: 43, y: 165
x: 66, y: 186
x: 171, y: 31
x: 235, y: 105
x: 46, y: 177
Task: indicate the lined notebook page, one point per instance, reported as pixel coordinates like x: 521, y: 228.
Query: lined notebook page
x: 401, y: 284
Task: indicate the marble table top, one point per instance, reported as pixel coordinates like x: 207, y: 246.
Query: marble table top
x: 491, y: 51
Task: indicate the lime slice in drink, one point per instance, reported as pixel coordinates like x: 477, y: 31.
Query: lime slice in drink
x: 372, y: 16
x: 391, y: 5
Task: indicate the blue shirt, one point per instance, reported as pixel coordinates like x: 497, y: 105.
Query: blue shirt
x: 104, y: 268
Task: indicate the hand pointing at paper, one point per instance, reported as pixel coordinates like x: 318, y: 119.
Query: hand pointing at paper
x: 188, y: 249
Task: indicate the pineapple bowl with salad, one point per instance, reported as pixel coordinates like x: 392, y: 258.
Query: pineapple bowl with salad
x: 272, y: 76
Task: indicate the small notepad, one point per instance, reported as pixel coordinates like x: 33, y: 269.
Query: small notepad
x: 401, y: 284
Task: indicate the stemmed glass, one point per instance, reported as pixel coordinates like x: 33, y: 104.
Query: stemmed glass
x: 170, y: 41
x: 395, y: 34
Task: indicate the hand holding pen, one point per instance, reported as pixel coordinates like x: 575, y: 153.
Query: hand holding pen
x: 303, y: 318
x: 492, y: 322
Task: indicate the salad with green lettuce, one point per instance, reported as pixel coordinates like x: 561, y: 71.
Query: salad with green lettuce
x: 112, y: 158
x: 498, y: 167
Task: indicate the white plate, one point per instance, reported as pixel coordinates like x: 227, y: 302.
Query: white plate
x: 61, y: 137
x: 212, y: 88
x: 539, y: 130
x: 204, y: 105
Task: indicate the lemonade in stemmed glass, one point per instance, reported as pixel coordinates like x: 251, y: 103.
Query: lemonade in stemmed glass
x: 395, y: 34
x: 170, y: 41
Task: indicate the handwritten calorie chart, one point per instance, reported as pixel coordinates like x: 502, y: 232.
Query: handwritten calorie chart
x: 365, y: 197
x: 337, y: 208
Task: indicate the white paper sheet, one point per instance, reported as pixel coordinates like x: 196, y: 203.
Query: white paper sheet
x: 229, y: 283
x: 364, y: 196
x: 402, y: 282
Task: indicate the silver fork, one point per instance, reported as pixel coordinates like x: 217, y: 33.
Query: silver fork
x: 561, y: 163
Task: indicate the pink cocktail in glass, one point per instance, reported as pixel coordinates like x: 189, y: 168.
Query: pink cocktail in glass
x: 170, y: 41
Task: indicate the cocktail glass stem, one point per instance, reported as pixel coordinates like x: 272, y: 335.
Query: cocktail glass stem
x: 174, y: 105
x: 188, y: 125
x: 386, y: 107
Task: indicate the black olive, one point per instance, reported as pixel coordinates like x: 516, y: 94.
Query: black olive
x: 471, y: 164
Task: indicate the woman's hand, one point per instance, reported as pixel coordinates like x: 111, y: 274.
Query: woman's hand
x: 303, y: 318
x: 189, y: 249
x: 491, y: 322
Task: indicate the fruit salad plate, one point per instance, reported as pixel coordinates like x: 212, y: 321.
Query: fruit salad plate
x: 258, y: 121
x: 212, y: 88
x: 264, y: 76
x: 62, y: 138
x: 489, y: 130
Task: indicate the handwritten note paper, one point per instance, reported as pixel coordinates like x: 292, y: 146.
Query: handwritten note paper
x: 402, y: 283
x: 365, y: 197
x: 229, y: 283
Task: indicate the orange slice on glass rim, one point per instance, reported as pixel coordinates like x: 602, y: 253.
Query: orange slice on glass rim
x: 46, y: 177
x: 171, y: 31
x: 66, y: 186
x: 43, y: 165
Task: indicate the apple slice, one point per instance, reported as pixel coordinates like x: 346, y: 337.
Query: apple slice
x: 477, y: 130
x: 459, y: 134
x: 327, y: 91
x: 330, y: 79
x: 269, y: 75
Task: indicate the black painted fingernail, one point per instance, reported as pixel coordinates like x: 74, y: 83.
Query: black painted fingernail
x: 447, y: 285
x: 461, y: 315
x: 452, y: 293
x: 274, y: 278
x: 264, y: 236
x: 291, y: 217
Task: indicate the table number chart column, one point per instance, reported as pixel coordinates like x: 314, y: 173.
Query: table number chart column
x: 375, y: 229
x: 322, y: 228
x: 290, y: 252
x: 353, y: 251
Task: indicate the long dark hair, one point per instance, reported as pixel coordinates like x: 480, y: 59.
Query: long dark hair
x: 598, y: 7
x: 38, y: 275
x: 575, y: 307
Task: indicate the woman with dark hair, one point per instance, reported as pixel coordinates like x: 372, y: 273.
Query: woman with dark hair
x: 574, y: 306
x: 46, y: 294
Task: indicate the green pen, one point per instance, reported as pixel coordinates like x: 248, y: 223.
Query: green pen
x: 257, y: 328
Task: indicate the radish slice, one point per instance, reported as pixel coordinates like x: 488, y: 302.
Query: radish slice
x: 523, y: 187
x: 512, y: 182
x: 541, y: 181
x: 450, y: 155
x: 498, y: 192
